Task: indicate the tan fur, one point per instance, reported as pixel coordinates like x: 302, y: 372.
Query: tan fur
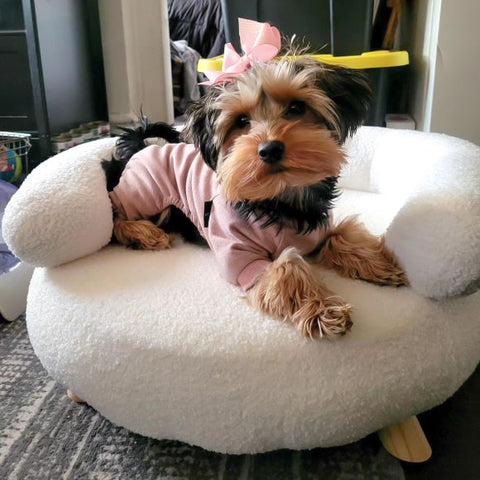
x: 354, y: 252
x: 310, y: 157
x: 141, y: 234
x: 289, y: 291
x: 263, y: 95
x: 266, y: 89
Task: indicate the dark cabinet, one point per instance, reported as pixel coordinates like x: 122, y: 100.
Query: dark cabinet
x: 51, y: 69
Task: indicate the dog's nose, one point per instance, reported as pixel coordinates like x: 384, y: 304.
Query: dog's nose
x: 271, y: 151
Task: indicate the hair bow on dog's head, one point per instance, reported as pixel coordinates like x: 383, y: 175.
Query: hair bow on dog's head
x: 260, y: 42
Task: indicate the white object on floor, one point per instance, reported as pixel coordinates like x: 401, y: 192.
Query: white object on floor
x: 13, y: 290
x: 14, y: 275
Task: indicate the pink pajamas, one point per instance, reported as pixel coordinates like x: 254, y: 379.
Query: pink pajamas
x: 175, y: 174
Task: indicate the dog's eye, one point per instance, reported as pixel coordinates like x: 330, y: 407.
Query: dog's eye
x: 296, y: 109
x: 242, y: 121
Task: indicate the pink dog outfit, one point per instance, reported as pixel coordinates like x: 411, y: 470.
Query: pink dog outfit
x: 175, y: 174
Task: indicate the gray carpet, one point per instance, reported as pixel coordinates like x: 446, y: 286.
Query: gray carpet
x: 43, y: 435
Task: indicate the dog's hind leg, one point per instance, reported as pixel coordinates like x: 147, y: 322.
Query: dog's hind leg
x: 353, y: 252
x: 141, y: 235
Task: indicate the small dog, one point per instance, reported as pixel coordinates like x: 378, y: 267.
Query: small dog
x: 271, y: 144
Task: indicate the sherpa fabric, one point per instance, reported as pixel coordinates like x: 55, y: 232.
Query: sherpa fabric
x: 62, y: 210
x: 435, y: 181
x: 159, y: 343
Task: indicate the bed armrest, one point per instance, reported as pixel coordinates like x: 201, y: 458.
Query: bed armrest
x: 436, y: 180
x: 62, y: 210
x: 436, y: 233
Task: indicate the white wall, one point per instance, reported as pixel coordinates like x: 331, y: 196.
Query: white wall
x: 136, y: 51
x: 421, y: 42
x: 456, y: 93
x: 444, y: 47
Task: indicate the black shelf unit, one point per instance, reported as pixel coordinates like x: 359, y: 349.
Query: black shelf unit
x: 52, y: 76
x: 338, y: 27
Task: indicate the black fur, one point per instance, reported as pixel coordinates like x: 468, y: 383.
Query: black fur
x: 200, y: 127
x: 178, y: 222
x: 131, y: 142
x: 350, y: 91
x: 113, y: 171
x: 317, y: 200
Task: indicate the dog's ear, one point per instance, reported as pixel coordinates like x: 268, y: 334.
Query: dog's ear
x: 200, y: 127
x: 351, y: 95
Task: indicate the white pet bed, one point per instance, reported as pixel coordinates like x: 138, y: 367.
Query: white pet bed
x: 159, y: 343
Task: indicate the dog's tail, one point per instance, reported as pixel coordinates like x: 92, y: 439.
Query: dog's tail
x: 131, y: 141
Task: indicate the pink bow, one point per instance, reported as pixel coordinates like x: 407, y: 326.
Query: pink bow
x: 260, y: 41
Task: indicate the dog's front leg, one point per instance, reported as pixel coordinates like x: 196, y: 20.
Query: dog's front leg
x: 353, y: 252
x: 288, y: 290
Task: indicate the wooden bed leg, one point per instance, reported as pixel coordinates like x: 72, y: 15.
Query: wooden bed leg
x: 406, y: 441
x: 74, y: 397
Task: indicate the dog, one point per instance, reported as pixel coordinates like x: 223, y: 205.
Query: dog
x: 262, y: 153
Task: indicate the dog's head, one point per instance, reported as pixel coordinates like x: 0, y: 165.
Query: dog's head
x: 278, y: 127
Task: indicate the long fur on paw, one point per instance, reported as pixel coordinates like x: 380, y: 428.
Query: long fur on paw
x: 323, y: 317
x: 288, y: 290
x: 141, y: 235
x: 280, y: 290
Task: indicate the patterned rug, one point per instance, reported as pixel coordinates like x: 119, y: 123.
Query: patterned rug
x: 44, y: 435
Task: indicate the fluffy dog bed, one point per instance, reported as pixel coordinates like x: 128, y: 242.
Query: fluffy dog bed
x: 159, y: 343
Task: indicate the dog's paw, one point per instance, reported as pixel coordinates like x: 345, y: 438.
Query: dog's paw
x: 394, y: 278
x: 384, y: 269
x: 141, y: 235
x: 323, y: 317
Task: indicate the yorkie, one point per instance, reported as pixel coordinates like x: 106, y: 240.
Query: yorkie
x: 257, y: 179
